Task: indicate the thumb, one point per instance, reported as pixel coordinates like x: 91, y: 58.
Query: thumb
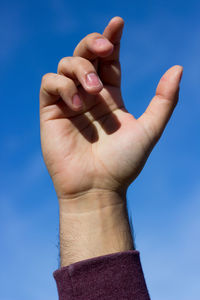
x: 161, y: 107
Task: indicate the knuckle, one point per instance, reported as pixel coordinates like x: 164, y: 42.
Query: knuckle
x: 72, y: 63
x: 45, y: 78
x: 94, y: 35
x: 86, y: 41
x: 62, y: 63
x: 80, y: 60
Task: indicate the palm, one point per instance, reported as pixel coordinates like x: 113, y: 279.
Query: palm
x: 104, y: 147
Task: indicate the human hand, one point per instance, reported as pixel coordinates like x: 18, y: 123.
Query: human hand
x: 93, y: 147
x: 96, y: 145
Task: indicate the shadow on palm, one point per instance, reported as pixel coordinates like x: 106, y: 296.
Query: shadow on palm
x: 97, y: 110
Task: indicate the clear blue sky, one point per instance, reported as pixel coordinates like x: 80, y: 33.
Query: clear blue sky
x: 164, y: 201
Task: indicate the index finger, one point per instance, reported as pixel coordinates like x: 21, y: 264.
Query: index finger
x: 97, y: 45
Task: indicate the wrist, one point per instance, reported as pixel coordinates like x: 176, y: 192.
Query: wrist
x: 93, y: 224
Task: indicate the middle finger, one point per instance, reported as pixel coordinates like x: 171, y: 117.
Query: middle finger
x: 82, y: 72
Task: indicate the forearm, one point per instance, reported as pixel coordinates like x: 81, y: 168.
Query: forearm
x: 91, y: 228
x: 98, y: 260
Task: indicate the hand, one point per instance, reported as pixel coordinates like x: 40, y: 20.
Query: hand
x: 93, y: 147
x: 95, y: 144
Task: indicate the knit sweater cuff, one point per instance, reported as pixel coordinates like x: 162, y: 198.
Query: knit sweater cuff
x: 108, y: 277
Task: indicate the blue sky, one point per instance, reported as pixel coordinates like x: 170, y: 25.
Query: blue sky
x: 163, y: 202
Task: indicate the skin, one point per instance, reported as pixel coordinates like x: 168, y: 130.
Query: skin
x: 93, y: 147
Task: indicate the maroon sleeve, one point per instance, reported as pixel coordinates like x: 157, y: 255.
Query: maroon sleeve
x: 116, y: 276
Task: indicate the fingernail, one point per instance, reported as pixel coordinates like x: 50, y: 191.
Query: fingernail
x: 92, y: 80
x: 76, y: 101
x: 101, y: 42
